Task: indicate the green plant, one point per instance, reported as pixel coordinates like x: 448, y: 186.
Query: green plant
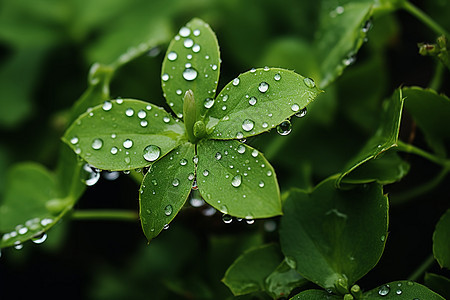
x: 345, y: 171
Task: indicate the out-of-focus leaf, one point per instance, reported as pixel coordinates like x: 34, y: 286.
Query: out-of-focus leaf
x: 248, y: 272
x: 326, y: 253
x: 439, y: 284
x: 430, y: 111
x: 402, y: 290
x: 385, y: 137
x: 441, y: 241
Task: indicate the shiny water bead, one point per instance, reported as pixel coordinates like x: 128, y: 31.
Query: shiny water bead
x: 301, y: 113
x: 309, y: 82
x: 107, y: 105
x: 384, y: 290
x: 188, y: 43
x: 114, y: 150
x: 277, y: 77
x: 119, y: 100
x: 239, y: 136
x: 183, y: 161
x: 205, y: 173
x: 295, y: 107
x: 241, y: 149
x: 196, y: 32
x: 166, y: 119
x: 172, y: 56
x: 74, y: 140
x: 151, y: 153
x: 178, y: 92
x: 141, y: 114
x: 255, y: 153
x: 196, y: 48
x: 284, y: 128
x: 248, y: 125
x: 236, y: 181
x: 236, y: 81
x: 39, y: 239
x: 263, y: 87
x: 184, y: 32
x: 97, y: 144
x: 190, y: 74
x: 214, y: 67
x: 168, y: 210
x: 209, y: 102
x: 218, y: 156
x: 265, y: 125
x: 227, y: 219
x: 252, y: 101
x: 129, y: 112
x: 127, y: 144
x: 165, y: 77
x: 144, y: 123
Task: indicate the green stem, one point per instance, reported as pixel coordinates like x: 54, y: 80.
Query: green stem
x: 436, y: 81
x: 424, y: 18
x: 409, y: 148
x: 422, y: 268
x: 114, y: 215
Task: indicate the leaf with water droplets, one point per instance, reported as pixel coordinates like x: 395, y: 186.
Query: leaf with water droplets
x: 33, y: 202
x: 165, y: 188
x: 240, y: 181
x: 119, y: 138
x: 262, y: 99
x: 402, y: 290
x: 315, y: 295
x: 327, y: 254
x: 441, y: 241
x: 385, y: 138
x: 248, y: 272
x: 192, y: 62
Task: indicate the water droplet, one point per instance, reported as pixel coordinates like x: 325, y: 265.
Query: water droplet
x: 151, y: 153
x: 263, y: 87
x: 383, y: 238
x: 144, y: 123
x: 127, y: 144
x: 209, y: 102
x: 218, y: 156
x: 97, y: 144
x: 252, y: 101
x: 22, y: 230
x: 39, y: 239
x: 179, y: 92
x: 74, y: 140
x: 196, y: 32
x: 129, y: 112
x: 184, y: 31
x: 196, y: 48
x: 141, y: 114
x: 295, y: 107
x: 148, y: 107
x: 249, y: 221
x: 349, y: 60
x: 166, y: 119
x: 384, y: 290
x: 46, y: 221
x: 266, y: 68
x: 241, y: 149
x: 195, y: 159
x: 196, y: 201
x: 367, y: 26
x: 188, y: 65
x: 301, y: 113
x: 255, y: 153
x: 119, y: 100
x: 191, y: 176
x: 309, y: 82
x: 183, y: 161
x: 166, y: 226
x: 284, y: 128
x: 237, y: 180
x: 172, y: 56
x: 168, y: 210
x: 190, y: 74
x: 18, y: 245
x: 165, y: 77
x: 114, y: 150
x: 107, y: 105
x: 248, y: 125
x: 261, y: 184
x: 277, y: 76
x: 188, y: 43
x: 239, y: 135
x: 269, y: 173
x: 227, y: 219
x: 175, y: 182
x: 236, y: 82
x: 398, y: 292
x: 205, y: 173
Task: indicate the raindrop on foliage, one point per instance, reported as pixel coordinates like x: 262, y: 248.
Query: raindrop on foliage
x: 97, y: 144
x: 165, y: 77
x: 236, y: 81
x: 284, y: 128
x: 269, y: 173
x: 166, y: 119
x: 129, y: 112
x: 151, y: 153
x: 241, y: 149
x: 236, y: 181
x: 195, y: 159
x: 191, y: 176
x: 74, y: 140
x: 263, y: 87
x: 168, y: 210
x: 166, y: 226
x: 40, y: 238
x: 114, y: 150
x: 367, y: 26
x: 119, y: 100
x: 190, y: 74
x: 261, y: 184
x: 205, y: 173
x: 264, y: 125
x: 188, y: 43
x: 183, y: 161
x: 398, y: 292
x: 248, y: 125
x: 127, y: 144
x: 141, y: 114
x: 301, y: 113
x: 91, y: 176
x: 277, y: 77
x: 384, y: 290
x: 107, y: 105
x: 227, y: 219
x: 172, y: 56
x: 175, y: 182
x: 295, y: 107
x: 196, y: 48
x: 184, y: 32
x: 209, y: 102
x: 218, y: 156
x: 144, y: 123
x: 196, y: 32
x: 309, y: 82
x: 252, y: 101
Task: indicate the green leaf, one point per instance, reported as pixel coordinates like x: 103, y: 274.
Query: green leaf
x: 341, y: 33
x: 439, y: 284
x: 257, y: 101
x: 386, y: 168
x: 325, y: 253
x: 33, y: 203
x: 385, y: 137
x: 117, y: 135
x: 430, y: 111
x: 402, y: 290
x: 165, y: 189
x: 441, y: 241
x: 248, y: 272
x: 314, y: 295
x: 283, y: 280
x: 192, y: 62
x: 237, y: 180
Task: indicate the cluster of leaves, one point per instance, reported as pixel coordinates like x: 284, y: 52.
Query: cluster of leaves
x: 334, y: 226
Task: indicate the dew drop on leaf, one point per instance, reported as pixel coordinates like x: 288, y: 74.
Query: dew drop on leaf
x: 114, y: 150
x: 196, y: 32
x: 144, y: 123
x: 236, y: 82
x: 127, y: 144
x: 236, y: 181
x: 241, y: 149
x: 97, y: 144
x: 218, y: 156
x: 398, y: 292
x: 261, y: 184
x: 151, y: 153
x: 252, y: 101
x: 176, y: 182
x: 165, y: 77
x: 166, y: 226
x: 166, y: 119
x: 39, y: 239
x: 227, y: 219
x: 141, y: 114
x: 183, y: 161
x: 309, y: 82
x: 263, y: 87
x: 284, y: 128
x: 119, y: 100
x: 188, y: 43
x: 190, y: 74
x: 301, y: 113
x: 269, y: 173
x: 248, y: 125
x: 214, y: 67
x: 277, y: 77
x: 129, y: 112
x: 384, y: 290
x: 195, y: 159
x: 255, y: 153
x: 184, y: 31
x: 107, y: 105
x: 205, y: 173
x: 74, y: 140
x: 172, y: 56
x: 196, y: 48
x: 295, y: 107
x: 168, y: 210
x: 209, y: 102
x: 191, y: 176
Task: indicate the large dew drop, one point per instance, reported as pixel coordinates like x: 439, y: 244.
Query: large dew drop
x: 248, y: 125
x: 190, y: 74
x: 168, y: 210
x: 236, y: 181
x: 151, y: 153
x: 263, y: 87
x: 129, y: 112
x: 188, y: 43
x: 127, y: 144
x: 209, y: 102
x: 184, y: 32
x: 301, y: 113
x: 384, y: 290
x: 172, y: 56
x: 284, y: 128
x: 252, y: 101
x: 107, y: 105
x: 97, y: 144
x: 309, y: 82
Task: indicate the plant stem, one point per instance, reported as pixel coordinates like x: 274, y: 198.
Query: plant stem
x: 114, y: 215
x: 424, y: 18
x: 422, y: 268
x: 409, y: 148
